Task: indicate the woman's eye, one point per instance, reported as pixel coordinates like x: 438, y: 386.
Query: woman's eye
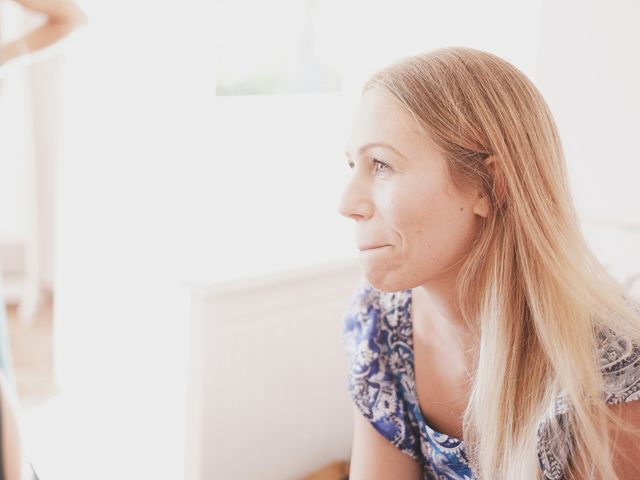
x: 377, y: 166
x: 377, y: 163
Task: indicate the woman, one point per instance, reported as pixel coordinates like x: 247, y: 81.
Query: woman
x: 485, y: 340
x: 62, y: 18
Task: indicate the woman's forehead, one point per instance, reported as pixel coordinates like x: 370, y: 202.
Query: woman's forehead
x: 379, y: 120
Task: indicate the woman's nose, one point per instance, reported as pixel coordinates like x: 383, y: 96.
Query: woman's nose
x: 355, y: 202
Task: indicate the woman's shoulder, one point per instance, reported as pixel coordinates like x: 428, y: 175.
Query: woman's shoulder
x: 619, y: 362
x: 373, y: 335
x: 376, y: 326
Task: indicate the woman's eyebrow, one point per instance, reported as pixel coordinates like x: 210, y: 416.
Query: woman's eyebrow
x: 367, y: 146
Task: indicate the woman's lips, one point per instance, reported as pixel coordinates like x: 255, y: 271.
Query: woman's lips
x: 370, y: 247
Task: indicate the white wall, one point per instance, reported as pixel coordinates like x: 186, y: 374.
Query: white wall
x: 589, y: 73
x: 539, y: 37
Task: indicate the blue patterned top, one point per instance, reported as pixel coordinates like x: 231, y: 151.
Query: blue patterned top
x: 378, y: 341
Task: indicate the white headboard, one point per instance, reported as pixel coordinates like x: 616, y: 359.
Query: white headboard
x: 268, y: 394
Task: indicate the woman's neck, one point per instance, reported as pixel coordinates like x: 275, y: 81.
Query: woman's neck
x: 436, y: 315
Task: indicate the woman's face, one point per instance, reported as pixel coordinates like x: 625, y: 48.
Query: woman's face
x: 403, y: 202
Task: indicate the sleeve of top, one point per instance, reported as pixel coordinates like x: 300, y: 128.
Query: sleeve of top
x: 373, y: 385
x: 619, y: 361
x: 619, y: 358
x: 620, y: 366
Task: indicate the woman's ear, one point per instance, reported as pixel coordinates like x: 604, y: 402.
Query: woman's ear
x: 482, y: 206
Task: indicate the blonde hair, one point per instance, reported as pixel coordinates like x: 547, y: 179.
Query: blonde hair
x: 530, y: 287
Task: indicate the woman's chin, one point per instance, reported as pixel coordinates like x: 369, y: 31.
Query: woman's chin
x: 382, y: 282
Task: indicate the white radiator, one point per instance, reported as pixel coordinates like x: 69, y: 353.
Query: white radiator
x: 268, y: 392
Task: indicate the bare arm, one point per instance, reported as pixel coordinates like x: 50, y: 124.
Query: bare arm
x: 63, y: 16
x: 373, y: 457
x: 626, y: 445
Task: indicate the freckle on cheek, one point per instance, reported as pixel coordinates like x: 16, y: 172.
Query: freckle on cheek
x: 429, y: 246
x: 461, y: 209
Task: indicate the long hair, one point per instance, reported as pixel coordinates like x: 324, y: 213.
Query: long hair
x: 530, y: 287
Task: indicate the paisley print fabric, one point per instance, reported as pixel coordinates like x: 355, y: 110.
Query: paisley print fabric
x: 378, y: 342
x: 620, y: 363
